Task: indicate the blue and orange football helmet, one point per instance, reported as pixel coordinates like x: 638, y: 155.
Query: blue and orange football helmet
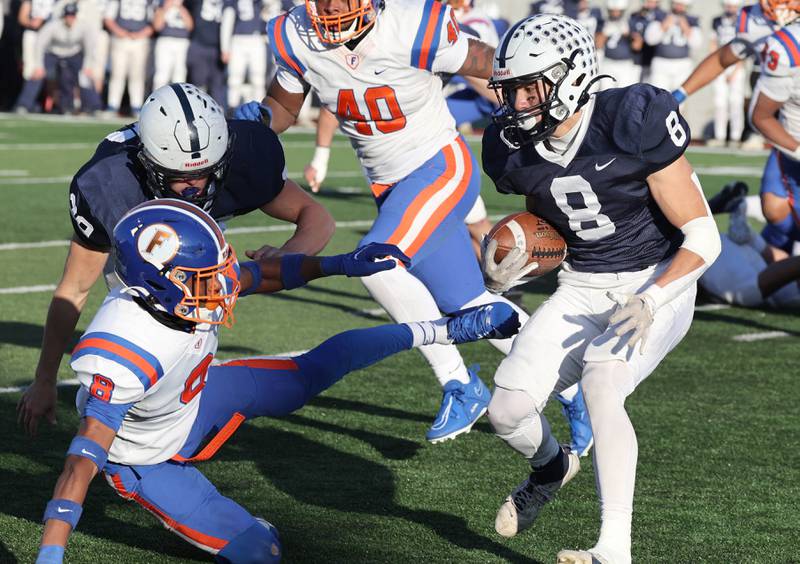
x: 346, y: 25
x: 782, y: 12
x: 173, y: 256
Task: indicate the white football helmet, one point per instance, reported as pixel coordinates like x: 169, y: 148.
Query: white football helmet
x: 734, y: 3
x: 554, y: 54
x: 620, y: 5
x: 184, y: 135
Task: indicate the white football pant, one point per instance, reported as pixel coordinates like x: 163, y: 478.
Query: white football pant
x: 625, y: 73
x: 29, y: 62
x: 248, y: 58
x: 170, y: 60
x: 128, y: 63
x: 669, y: 74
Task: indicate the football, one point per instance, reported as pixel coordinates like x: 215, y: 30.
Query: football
x: 542, y: 242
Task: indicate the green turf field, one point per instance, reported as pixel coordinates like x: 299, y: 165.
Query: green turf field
x: 350, y: 477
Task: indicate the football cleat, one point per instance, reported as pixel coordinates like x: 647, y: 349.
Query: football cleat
x: 739, y: 230
x: 522, y: 507
x: 726, y: 200
x: 580, y: 557
x: 580, y: 427
x: 462, y: 405
x: 497, y: 320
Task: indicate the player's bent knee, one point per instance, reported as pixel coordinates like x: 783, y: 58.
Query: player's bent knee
x: 510, y: 410
x: 256, y: 545
x: 607, y: 377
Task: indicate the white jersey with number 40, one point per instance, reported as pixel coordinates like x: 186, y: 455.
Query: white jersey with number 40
x: 128, y: 359
x: 384, y: 91
x: 780, y: 75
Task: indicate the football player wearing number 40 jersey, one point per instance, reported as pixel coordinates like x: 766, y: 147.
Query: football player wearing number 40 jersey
x: 374, y: 65
x: 150, y: 401
x: 608, y: 171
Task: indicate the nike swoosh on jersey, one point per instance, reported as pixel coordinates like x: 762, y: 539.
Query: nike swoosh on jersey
x: 598, y: 167
x: 84, y: 451
x: 379, y: 71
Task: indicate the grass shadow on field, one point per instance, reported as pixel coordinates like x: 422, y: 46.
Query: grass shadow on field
x: 318, y: 475
x: 6, y: 557
x: 721, y: 316
x: 333, y: 305
x: 27, y: 334
x: 25, y: 492
x: 339, y: 293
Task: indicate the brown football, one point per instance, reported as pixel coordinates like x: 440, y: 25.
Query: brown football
x: 542, y: 242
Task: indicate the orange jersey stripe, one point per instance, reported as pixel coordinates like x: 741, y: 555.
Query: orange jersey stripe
x: 148, y: 369
x: 447, y: 206
x: 416, y: 205
x: 197, y: 536
x: 281, y: 44
x: 430, y: 32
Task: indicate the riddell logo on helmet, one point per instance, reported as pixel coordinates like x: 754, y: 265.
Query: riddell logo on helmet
x: 502, y: 72
x: 195, y: 164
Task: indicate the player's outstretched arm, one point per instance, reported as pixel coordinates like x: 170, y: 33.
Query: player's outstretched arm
x: 314, y: 224
x: 709, y: 69
x: 764, y: 117
x: 85, y: 458
x: 272, y: 274
x: 81, y: 271
x: 285, y: 106
x: 777, y: 275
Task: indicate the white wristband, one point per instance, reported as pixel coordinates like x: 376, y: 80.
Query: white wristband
x: 320, y: 159
x: 657, y: 296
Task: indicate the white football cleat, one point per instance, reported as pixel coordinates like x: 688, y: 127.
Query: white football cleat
x: 523, y: 506
x: 580, y: 557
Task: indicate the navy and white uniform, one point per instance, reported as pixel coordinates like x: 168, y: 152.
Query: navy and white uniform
x: 129, y: 54
x: 156, y: 387
x: 729, y: 86
x: 596, y: 195
x: 672, y: 64
x: 113, y: 181
x: 644, y: 57
x: 38, y: 10
x: 244, y: 39
x: 618, y: 54
x: 591, y: 19
x: 206, y: 69
x: 172, y: 44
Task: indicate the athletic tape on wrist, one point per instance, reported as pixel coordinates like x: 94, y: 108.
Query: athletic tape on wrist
x: 87, y: 448
x: 291, y: 277
x: 63, y: 510
x: 255, y: 271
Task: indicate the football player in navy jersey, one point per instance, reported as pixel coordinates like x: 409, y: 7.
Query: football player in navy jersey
x: 181, y: 146
x: 607, y: 171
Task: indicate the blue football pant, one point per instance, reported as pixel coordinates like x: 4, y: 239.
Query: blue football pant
x: 424, y: 213
x: 781, y: 176
x: 184, y: 500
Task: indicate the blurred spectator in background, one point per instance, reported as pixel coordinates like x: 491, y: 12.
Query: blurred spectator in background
x: 550, y: 7
x: 32, y: 16
x: 60, y: 48
x: 642, y: 52
x: 615, y: 41
x: 173, y: 23
x: 128, y: 21
x: 589, y: 17
x: 206, y: 68
x: 729, y: 86
x: 243, y: 45
x: 672, y: 35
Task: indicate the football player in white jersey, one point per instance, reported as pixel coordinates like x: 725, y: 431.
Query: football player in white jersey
x: 151, y: 403
x: 607, y: 170
x: 374, y: 65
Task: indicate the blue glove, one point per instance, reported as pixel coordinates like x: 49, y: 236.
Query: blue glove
x: 361, y: 262
x: 254, y: 111
x: 50, y: 554
x: 680, y: 95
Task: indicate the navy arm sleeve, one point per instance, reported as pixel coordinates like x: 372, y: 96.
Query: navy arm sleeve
x: 88, y: 229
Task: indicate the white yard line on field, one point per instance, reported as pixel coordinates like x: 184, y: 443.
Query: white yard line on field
x: 763, y: 336
x: 67, y: 179
x: 751, y: 171
x: 28, y: 289
x: 712, y: 307
x: 13, y: 172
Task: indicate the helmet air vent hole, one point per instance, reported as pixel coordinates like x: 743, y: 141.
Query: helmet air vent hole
x: 163, y: 111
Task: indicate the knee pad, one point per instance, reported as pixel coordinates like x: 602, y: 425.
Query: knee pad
x: 510, y: 410
x: 602, y: 378
x: 258, y: 544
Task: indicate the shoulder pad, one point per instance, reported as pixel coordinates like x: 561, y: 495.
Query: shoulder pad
x: 641, y: 123
x: 783, y: 50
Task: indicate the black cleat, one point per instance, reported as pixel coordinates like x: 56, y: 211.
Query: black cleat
x: 726, y: 200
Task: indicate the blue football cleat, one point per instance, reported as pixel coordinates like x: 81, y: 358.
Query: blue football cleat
x: 497, y: 320
x: 462, y: 406
x: 579, y: 425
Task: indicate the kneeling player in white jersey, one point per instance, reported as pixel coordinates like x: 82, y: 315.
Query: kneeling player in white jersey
x: 607, y: 171
x: 374, y: 65
x: 150, y: 401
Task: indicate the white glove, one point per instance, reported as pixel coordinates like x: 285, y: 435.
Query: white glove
x: 634, y: 312
x: 509, y: 272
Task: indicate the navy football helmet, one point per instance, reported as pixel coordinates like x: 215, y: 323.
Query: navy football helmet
x: 173, y: 256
